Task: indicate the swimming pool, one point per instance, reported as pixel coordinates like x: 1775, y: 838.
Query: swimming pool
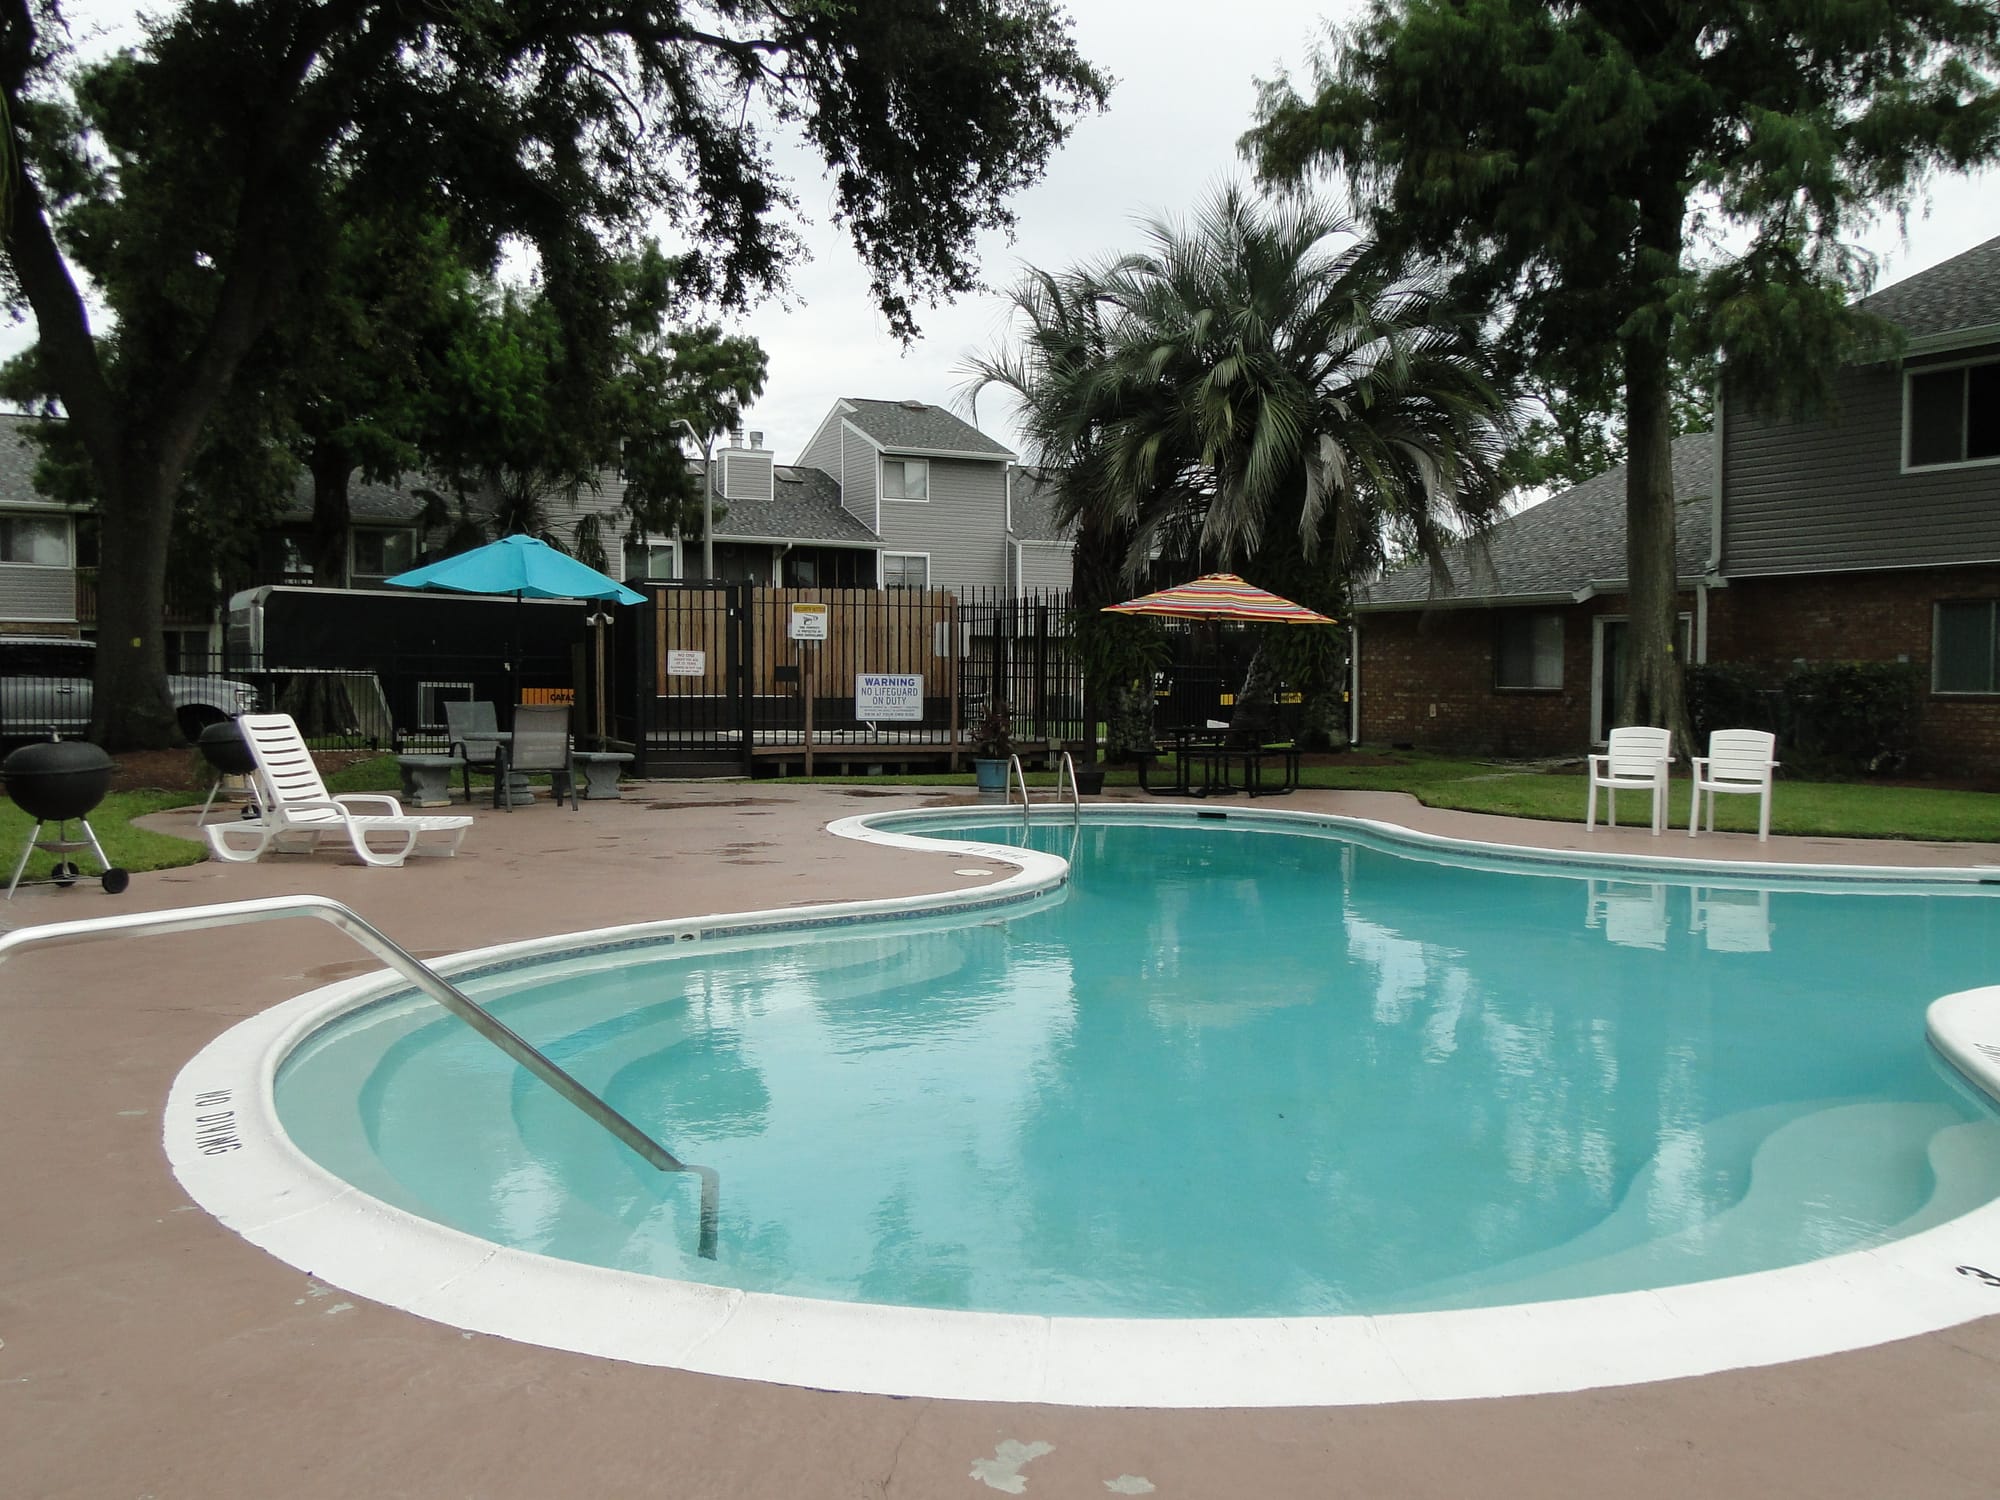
x: 1175, y: 1110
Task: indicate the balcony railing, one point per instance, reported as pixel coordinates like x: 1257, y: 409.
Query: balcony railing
x: 179, y: 611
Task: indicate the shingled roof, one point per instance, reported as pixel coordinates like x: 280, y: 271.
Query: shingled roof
x: 1033, y: 510
x: 1962, y: 293
x: 367, y: 502
x: 19, y: 453
x: 919, y: 427
x: 1556, y: 550
x: 804, y: 507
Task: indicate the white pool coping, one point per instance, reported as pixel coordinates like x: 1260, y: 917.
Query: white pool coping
x: 228, y: 1149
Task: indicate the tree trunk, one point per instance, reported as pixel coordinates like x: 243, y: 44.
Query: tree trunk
x: 1093, y: 583
x: 1255, y: 716
x: 1655, y: 689
x: 331, y: 517
x: 130, y: 706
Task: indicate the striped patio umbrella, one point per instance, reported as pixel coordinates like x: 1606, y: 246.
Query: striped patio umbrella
x: 1221, y: 596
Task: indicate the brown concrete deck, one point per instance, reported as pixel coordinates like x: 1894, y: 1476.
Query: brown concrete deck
x: 147, y: 1351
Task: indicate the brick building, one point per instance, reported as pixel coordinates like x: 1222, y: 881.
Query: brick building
x: 1871, y: 535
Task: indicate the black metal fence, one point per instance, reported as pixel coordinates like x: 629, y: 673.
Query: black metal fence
x: 700, y: 679
x: 736, y: 676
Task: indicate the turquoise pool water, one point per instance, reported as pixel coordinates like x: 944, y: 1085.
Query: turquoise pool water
x: 1236, y: 1072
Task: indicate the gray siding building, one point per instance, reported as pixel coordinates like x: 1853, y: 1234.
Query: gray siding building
x: 933, y: 488
x: 38, y: 542
x: 1905, y: 471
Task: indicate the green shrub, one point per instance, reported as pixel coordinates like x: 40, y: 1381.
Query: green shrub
x: 1831, y: 718
x: 1849, y: 716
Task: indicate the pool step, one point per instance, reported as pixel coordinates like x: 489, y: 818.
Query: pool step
x: 1820, y: 1182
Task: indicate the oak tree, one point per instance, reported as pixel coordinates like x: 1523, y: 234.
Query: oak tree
x: 569, y: 125
x: 1613, y: 175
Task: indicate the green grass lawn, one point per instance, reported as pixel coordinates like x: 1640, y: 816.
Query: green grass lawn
x: 125, y: 845
x: 1836, y: 809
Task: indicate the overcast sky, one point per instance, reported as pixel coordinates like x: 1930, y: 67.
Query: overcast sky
x: 1185, y: 72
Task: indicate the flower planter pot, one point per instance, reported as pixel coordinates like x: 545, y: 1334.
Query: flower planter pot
x: 990, y: 776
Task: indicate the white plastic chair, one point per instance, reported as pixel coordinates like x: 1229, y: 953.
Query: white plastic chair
x: 1633, y: 913
x: 1739, y: 762
x: 298, y: 810
x: 1731, y: 921
x: 1635, y: 760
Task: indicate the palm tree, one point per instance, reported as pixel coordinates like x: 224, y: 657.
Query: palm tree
x: 1289, y: 406
x: 1052, y: 371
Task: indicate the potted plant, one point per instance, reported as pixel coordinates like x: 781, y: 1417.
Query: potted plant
x: 992, y: 748
x: 1089, y: 769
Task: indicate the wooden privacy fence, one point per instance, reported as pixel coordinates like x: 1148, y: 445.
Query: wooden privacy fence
x: 868, y: 630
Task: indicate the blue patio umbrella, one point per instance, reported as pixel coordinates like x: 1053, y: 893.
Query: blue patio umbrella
x: 523, y: 567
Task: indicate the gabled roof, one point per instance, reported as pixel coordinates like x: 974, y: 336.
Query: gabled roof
x: 1569, y: 544
x: 919, y: 427
x: 804, y: 507
x: 1961, y: 294
x: 19, y: 453
x: 368, y: 503
x: 1034, y: 503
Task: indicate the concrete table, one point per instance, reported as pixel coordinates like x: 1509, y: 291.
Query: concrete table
x: 598, y: 771
x: 427, y: 779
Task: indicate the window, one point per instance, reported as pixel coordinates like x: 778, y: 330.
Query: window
x: 649, y: 560
x: 42, y: 541
x: 905, y: 570
x: 1529, y: 652
x: 1953, y: 415
x: 1962, y: 648
x: 379, y: 554
x: 906, y: 479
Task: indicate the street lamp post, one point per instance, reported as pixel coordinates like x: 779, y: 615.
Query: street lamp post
x: 707, y: 502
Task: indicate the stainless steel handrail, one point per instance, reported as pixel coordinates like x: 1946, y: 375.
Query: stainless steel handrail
x: 1068, y: 769
x: 1014, y: 774
x: 1065, y: 771
x: 412, y: 968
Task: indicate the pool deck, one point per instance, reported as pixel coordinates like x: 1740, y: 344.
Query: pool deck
x: 147, y: 1351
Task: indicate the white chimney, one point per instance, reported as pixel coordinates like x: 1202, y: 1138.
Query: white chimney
x: 756, y: 439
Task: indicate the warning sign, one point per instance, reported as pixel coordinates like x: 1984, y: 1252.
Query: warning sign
x: 809, y: 622
x: 888, y: 696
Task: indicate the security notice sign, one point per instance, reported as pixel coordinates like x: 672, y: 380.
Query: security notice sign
x: 808, y: 622
x: 889, y: 696
x: 687, y: 663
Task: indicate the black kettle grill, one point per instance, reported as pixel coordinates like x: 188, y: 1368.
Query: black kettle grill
x: 61, y: 782
x: 222, y: 745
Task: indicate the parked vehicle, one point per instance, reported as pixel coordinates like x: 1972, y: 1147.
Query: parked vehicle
x: 46, y: 690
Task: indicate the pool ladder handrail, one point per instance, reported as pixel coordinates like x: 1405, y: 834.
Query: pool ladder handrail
x: 1066, y: 771
x: 345, y: 919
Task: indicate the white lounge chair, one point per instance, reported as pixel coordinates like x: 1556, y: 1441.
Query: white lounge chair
x: 1635, y: 759
x: 299, y: 812
x: 1739, y: 761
